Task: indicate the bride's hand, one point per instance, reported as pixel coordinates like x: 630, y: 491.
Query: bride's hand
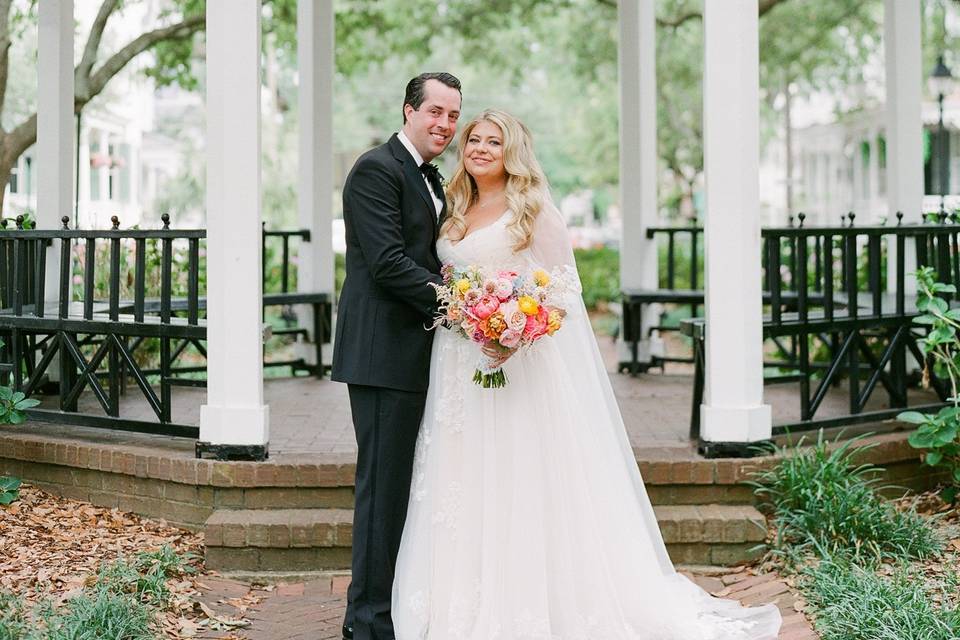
x: 496, y: 355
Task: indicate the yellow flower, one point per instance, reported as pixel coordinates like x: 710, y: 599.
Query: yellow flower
x: 463, y: 285
x: 554, y: 320
x: 541, y: 278
x: 528, y: 305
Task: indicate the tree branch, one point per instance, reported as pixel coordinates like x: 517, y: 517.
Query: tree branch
x: 143, y: 42
x: 82, y: 72
x: 5, y: 42
x: 764, y: 7
x: 19, y: 140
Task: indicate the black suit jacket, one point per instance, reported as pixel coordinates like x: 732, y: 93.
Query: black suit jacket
x: 386, y: 302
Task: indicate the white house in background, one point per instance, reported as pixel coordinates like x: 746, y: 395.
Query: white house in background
x: 124, y: 162
x: 842, y: 165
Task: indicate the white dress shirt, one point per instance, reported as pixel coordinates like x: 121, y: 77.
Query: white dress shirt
x: 405, y: 141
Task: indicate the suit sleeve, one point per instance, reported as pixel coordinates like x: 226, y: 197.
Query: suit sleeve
x: 372, y: 206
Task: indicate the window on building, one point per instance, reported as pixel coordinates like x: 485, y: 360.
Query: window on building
x: 881, y: 165
x: 827, y: 175
x: 111, y: 173
x: 96, y: 162
x: 123, y: 171
x: 14, y: 180
x: 955, y: 162
x: 865, y: 168
x: 28, y: 175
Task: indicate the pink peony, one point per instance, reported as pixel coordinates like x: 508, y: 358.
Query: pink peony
x: 487, y: 306
x: 489, y: 286
x: 537, y: 324
x: 471, y: 297
x: 510, y: 338
x: 503, y: 288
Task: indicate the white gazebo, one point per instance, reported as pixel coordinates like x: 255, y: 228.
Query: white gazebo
x: 733, y: 412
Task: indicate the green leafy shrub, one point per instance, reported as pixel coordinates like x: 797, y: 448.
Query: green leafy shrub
x: 824, y: 502
x: 13, y: 404
x: 937, y: 433
x: 599, y: 274
x: 9, y: 489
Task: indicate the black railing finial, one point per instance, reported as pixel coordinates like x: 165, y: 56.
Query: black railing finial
x: 790, y: 220
x: 19, y: 222
x: 801, y: 216
x: 899, y: 218
x: 115, y: 221
x: 3, y: 223
x: 166, y: 220
x: 954, y: 217
x: 943, y: 217
x: 851, y: 215
x: 843, y: 220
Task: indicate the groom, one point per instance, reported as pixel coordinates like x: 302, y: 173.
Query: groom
x: 392, y: 202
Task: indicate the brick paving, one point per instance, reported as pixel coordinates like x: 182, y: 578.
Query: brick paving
x: 314, y: 610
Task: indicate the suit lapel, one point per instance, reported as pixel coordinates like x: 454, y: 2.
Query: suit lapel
x: 414, y: 177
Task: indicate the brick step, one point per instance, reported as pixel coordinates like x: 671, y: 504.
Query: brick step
x: 253, y: 540
x: 278, y: 539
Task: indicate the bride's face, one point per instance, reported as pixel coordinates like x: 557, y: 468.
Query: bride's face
x: 483, y: 155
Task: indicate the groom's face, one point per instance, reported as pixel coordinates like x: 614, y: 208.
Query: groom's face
x: 431, y: 127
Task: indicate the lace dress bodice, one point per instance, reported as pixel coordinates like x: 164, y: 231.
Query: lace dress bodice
x: 489, y: 246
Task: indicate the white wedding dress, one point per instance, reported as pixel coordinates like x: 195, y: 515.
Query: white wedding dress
x: 528, y: 518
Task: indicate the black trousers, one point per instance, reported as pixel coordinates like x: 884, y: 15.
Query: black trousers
x: 386, y: 422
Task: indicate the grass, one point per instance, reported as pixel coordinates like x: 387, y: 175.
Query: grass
x: 868, y: 571
x: 895, y: 602
x: 826, y: 503
x: 118, y: 605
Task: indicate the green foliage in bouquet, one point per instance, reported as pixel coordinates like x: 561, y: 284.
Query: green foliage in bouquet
x: 937, y: 433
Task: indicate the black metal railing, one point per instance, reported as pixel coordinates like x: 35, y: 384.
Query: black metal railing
x: 827, y: 294
x: 285, y: 267
x: 95, y: 339
x: 288, y: 296
x: 129, y: 305
x: 689, y: 240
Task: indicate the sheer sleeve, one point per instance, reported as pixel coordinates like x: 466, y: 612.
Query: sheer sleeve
x: 551, y: 248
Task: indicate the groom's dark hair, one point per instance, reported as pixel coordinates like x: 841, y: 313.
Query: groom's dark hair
x: 415, y: 91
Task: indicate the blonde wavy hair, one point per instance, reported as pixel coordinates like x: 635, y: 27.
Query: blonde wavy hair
x: 526, y: 188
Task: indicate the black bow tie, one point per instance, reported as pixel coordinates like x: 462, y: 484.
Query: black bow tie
x: 432, y: 174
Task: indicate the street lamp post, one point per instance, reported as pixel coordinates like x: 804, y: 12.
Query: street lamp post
x: 941, y: 84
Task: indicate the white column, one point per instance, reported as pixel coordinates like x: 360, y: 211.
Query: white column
x: 904, y: 86
x: 235, y: 412
x: 733, y: 409
x: 315, y: 40
x: 55, y: 129
x: 55, y: 135
x: 638, y: 156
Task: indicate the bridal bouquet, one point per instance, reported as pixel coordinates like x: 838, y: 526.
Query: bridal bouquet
x: 502, y: 311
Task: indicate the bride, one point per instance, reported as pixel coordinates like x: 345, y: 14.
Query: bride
x: 527, y: 516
